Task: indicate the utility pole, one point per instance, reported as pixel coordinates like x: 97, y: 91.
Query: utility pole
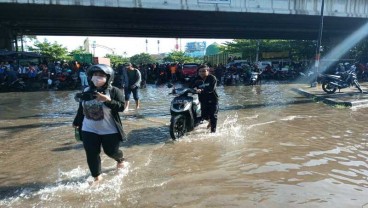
x: 146, y: 45
x: 21, y: 39
x: 257, y: 52
x: 176, y: 45
x: 318, y: 48
x: 94, y: 48
x: 158, y: 46
x: 180, y: 45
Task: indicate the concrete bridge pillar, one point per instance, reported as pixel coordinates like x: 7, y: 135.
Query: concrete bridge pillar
x: 7, y: 39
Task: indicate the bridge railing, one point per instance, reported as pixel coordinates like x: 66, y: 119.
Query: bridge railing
x: 347, y: 8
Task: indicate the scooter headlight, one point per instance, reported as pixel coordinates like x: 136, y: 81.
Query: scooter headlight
x: 178, y: 106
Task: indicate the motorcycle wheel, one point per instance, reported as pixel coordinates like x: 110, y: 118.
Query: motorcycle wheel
x: 358, y: 86
x: 328, y: 88
x: 177, y: 127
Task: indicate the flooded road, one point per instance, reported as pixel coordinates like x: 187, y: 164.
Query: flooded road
x: 273, y: 148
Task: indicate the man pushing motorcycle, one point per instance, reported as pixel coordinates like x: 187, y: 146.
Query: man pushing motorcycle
x: 205, y: 86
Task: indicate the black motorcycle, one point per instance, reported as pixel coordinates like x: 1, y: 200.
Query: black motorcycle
x: 330, y: 83
x: 230, y: 78
x: 185, y: 112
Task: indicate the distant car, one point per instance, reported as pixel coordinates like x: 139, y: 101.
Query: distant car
x: 262, y: 64
x: 189, y: 71
x: 237, y: 64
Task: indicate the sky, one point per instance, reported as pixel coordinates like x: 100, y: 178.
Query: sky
x: 130, y: 46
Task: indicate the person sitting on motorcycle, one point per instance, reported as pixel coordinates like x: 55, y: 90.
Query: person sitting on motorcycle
x: 205, y: 85
x: 269, y: 69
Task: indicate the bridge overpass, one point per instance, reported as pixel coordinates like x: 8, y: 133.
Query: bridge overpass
x: 253, y: 19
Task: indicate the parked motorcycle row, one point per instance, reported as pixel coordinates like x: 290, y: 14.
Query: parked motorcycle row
x: 252, y: 78
x: 60, y: 81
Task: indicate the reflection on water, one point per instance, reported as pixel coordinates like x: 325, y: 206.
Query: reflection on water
x: 273, y: 148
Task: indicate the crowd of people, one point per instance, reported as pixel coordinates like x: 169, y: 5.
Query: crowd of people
x: 44, y: 76
x: 61, y: 75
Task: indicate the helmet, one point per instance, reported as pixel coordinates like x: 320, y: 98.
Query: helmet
x: 104, y: 69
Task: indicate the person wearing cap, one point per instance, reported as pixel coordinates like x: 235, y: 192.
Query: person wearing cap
x: 131, y: 80
x: 98, y: 119
x: 205, y: 85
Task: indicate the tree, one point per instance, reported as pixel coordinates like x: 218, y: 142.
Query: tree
x: 79, y: 50
x: 53, y: 51
x: 298, y: 49
x: 23, y: 40
x: 360, y: 51
x: 116, y: 59
x: 179, y: 56
x: 247, y: 47
x: 143, y: 58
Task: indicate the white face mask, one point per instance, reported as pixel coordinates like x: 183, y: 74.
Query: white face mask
x: 98, y: 81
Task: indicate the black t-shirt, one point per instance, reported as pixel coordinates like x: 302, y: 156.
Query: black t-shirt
x: 208, y: 85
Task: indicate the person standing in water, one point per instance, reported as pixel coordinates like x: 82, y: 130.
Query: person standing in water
x: 98, y: 119
x: 205, y: 85
x: 131, y: 80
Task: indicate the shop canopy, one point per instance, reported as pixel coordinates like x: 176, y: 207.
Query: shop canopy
x: 17, y: 55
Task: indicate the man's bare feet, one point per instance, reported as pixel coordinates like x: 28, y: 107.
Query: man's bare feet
x: 120, y: 165
x: 96, y: 181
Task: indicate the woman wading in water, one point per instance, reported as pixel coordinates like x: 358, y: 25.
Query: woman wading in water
x: 98, y: 119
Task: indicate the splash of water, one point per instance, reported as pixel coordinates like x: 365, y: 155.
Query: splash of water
x: 75, y: 182
x: 230, y: 126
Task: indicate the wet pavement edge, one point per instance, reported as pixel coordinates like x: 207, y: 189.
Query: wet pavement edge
x: 349, y: 97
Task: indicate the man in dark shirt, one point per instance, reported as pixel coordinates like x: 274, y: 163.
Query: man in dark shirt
x: 205, y: 84
x: 131, y: 80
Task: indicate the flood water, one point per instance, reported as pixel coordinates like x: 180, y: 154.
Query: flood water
x: 273, y: 148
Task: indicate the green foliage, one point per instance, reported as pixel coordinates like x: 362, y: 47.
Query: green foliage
x: 299, y: 49
x: 53, y: 51
x: 143, y: 58
x: 360, y: 51
x: 116, y: 59
x: 79, y: 50
x: 247, y: 47
x: 179, y: 56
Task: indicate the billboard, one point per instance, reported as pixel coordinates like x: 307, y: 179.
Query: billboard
x: 195, y: 46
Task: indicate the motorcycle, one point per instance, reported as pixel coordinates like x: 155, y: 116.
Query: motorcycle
x: 16, y: 85
x: 330, y: 83
x: 254, y: 78
x: 185, y: 111
x: 230, y: 78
